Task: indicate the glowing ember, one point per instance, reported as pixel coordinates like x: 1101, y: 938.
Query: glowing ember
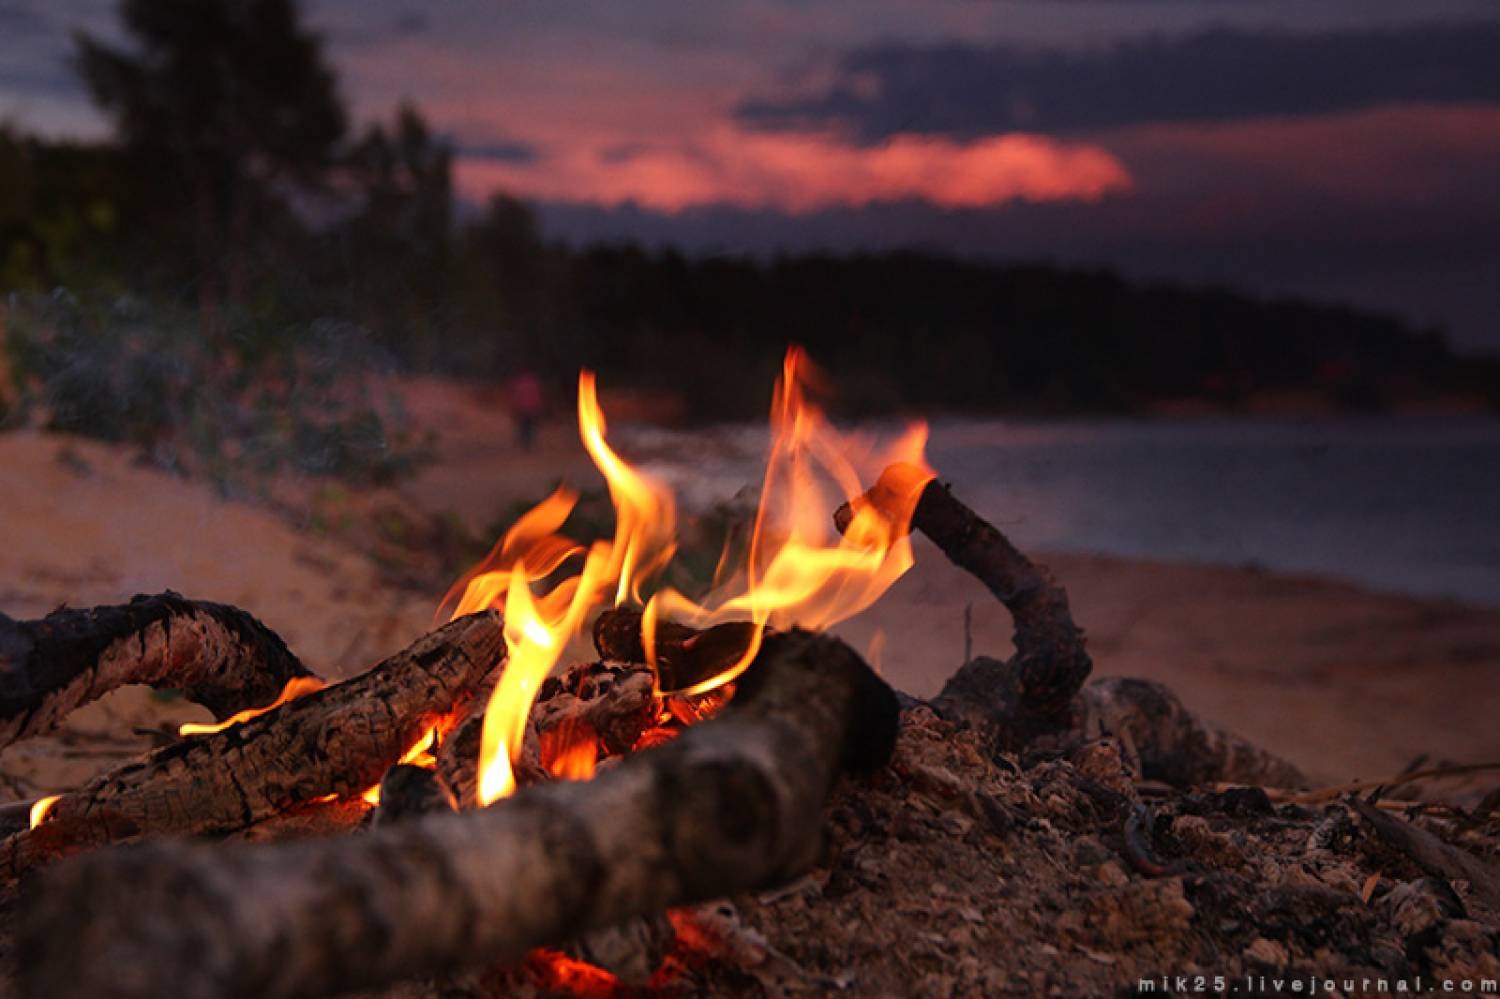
x: 297, y: 686
x: 41, y: 807
x: 799, y: 570
x: 420, y: 755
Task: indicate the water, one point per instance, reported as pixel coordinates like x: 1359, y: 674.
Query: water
x: 1408, y: 507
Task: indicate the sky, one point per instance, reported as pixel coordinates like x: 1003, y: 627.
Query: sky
x: 1343, y: 150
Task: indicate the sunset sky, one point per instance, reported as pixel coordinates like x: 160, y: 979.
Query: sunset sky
x: 1344, y: 150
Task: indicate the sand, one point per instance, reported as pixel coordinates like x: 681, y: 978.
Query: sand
x: 1344, y: 682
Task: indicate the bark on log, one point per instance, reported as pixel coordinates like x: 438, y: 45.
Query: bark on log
x: 219, y: 656
x: 1051, y: 663
x: 733, y: 804
x: 337, y: 741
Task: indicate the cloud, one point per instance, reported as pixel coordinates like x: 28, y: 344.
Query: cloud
x: 801, y: 173
x: 964, y: 89
x: 502, y: 151
x: 1391, y: 208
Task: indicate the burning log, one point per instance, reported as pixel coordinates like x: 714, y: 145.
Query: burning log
x: 337, y: 741
x: 219, y: 656
x: 734, y: 803
x: 684, y: 656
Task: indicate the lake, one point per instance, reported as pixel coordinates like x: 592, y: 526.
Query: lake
x: 1408, y: 507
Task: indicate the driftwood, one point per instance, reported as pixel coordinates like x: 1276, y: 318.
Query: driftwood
x: 218, y: 656
x: 1038, y: 699
x: 734, y: 803
x: 337, y: 741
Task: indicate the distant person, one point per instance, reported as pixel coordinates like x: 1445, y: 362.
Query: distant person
x: 523, y: 398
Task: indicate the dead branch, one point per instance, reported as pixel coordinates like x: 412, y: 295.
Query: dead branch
x: 733, y: 804
x: 219, y: 656
x: 1038, y: 698
x: 337, y: 741
x: 1051, y: 662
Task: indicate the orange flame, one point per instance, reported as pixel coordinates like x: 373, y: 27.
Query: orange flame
x: 41, y: 807
x: 297, y: 686
x: 798, y: 571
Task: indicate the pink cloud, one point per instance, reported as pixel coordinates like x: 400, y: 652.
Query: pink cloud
x: 801, y: 173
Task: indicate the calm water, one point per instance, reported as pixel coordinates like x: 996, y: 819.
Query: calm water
x: 1410, y: 507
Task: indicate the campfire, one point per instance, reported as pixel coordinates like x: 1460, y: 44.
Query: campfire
x: 465, y: 814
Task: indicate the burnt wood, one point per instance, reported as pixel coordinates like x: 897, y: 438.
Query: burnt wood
x: 217, y: 655
x: 735, y: 803
x: 337, y: 741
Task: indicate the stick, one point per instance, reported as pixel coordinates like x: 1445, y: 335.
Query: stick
x: 735, y: 803
x: 1432, y: 854
x: 1051, y: 663
x: 219, y: 656
x: 337, y: 741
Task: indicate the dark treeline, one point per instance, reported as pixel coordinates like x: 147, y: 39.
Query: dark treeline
x: 236, y: 190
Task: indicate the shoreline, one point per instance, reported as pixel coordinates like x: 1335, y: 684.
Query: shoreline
x: 1346, y: 682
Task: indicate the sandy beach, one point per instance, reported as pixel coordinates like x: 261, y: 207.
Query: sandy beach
x: 1346, y: 683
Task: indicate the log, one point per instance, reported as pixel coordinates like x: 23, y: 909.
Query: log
x: 735, y: 803
x: 217, y: 655
x: 408, y: 792
x: 684, y: 656
x: 1051, y: 663
x: 337, y: 741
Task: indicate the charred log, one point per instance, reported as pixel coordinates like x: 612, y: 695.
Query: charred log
x: 684, y: 656
x: 408, y: 792
x: 337, y: 741
x: 219, y: 656
x: 733, y: 804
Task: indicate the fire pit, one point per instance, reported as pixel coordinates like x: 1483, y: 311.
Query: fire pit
x: 463, y: 816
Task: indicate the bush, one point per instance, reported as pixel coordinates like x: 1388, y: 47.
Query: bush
x: 259, y: 399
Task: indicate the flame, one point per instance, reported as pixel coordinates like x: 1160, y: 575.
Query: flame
x: 799, y: 570
x: 570, y: 752
x: 297, y: 686
x: 41, y: 807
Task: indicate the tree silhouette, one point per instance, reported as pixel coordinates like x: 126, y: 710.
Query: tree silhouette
x: 229, y: 106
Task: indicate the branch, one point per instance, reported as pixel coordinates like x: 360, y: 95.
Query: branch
x: 219, y: 656
x: 1051, y: 663
x: 734, y: 804
x: 337, y: 741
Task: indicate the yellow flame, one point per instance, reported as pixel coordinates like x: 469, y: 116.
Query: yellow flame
x: 798, y: 571
x: 297, y: 686
x: 41, y: 807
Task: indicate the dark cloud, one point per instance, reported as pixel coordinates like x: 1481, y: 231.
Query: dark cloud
x: 1223, y: 74
x: 502, y: 151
